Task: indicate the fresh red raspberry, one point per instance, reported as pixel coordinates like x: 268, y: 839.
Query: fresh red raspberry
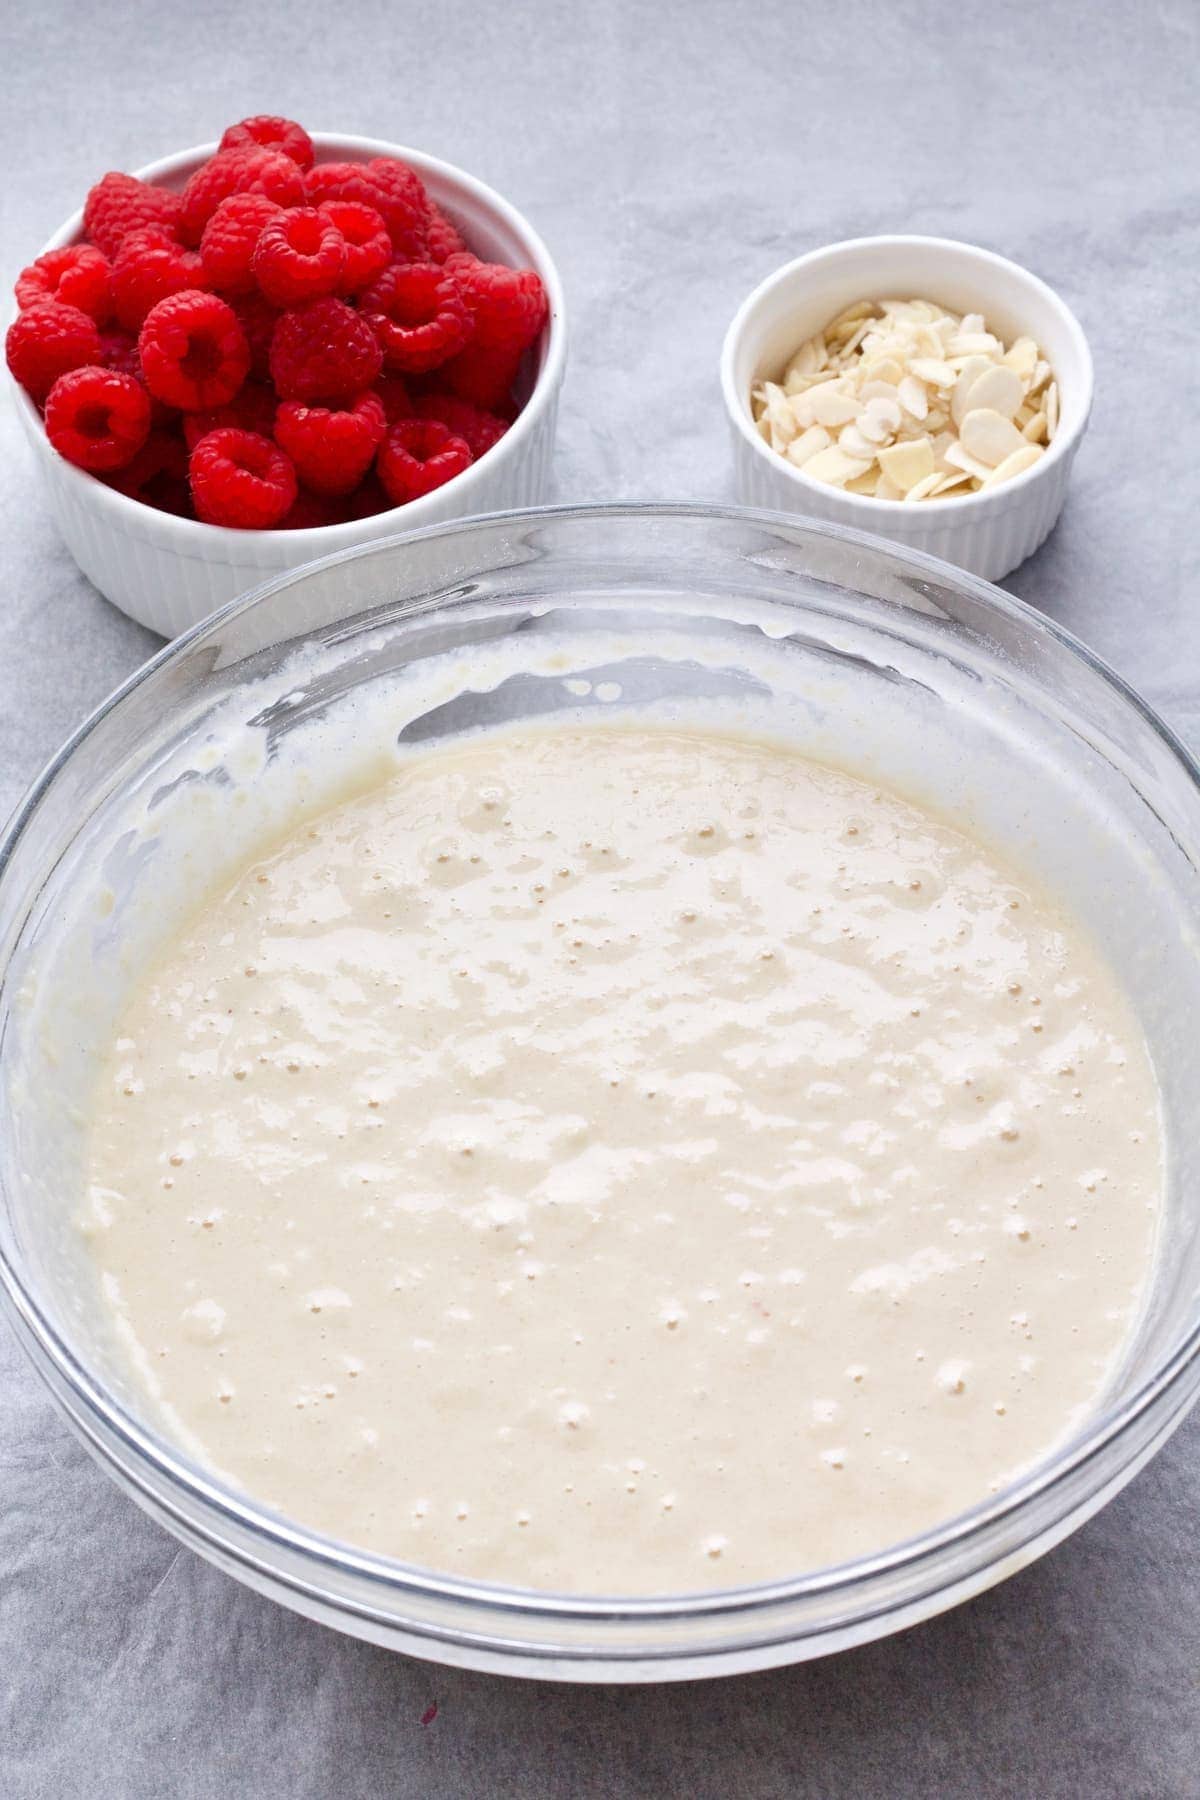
x: 158, y: 475
x: 418, y: 315
x: 194, y: 352
x: 395, y: 191
x: 45, y: 341
x: 310, y: 511
x: 121, y: 203
x: 77, y: 276
x: 97, y: 419
x: 441, y: 237
x: 301, y: 255
x: 509, y: 306
x: 251, y: 409
x: 228, y: 241
x: 241, y: 479
x: 397, y: 400
x: 149, y: 266
x: 119, y: 351
x: 368, y: 246
x: 258, y: 319
x: 366, y: 500
x: 237, y: 172
x: 419, y: 455
x: 478, y: 429
x: 331, y: 449
x: 271, y: 133
x: 323, y: 351
x: 483, y: 376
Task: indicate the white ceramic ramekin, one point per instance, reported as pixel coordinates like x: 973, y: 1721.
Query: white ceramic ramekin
x: 986, y: 533
x: 169, y: 573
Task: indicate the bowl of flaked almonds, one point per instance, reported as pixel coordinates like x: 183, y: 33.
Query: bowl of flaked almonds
x: 920, y: 388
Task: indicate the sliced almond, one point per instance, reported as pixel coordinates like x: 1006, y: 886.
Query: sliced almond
x: 933, y: 370
x: 854, y: 441
x: 1016, y: 464
x: 907, y: 464
x: 922, y: 488
x: 989, y: 436
x: 882, y: 413
x: 999, y: 389
x: 947, y: 482
x: 835, y: 467
x: 968, y: 375
x: 830, y: 406
x: 807, y: 444
x: 904, y: 399
x: 913, y: 397
x: 958, y: 458
x: 1022, y: 358
x: 974, y: 343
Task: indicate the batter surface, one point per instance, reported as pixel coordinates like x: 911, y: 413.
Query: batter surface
x: 617, y: 1159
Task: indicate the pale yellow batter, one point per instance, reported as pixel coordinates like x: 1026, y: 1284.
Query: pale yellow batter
x: 625, y: 1160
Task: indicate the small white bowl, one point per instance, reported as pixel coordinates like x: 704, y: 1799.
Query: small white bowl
x: 169, y: 573
x: 986, y: 533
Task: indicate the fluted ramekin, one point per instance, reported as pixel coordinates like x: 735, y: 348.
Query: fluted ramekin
x: 169, y: 573
x: 986, y: 533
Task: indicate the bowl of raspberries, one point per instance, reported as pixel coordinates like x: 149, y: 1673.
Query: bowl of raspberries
x: 265, y: 350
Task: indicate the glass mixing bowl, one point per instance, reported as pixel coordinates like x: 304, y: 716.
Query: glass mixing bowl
x: 872, y: 655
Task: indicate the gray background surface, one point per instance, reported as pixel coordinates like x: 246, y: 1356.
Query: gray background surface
x: 672, y: 157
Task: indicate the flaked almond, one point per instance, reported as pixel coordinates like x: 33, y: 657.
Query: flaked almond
x: 988, y: 435
x: 902, y: 399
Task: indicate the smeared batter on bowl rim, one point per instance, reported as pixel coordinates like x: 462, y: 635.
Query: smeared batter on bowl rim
x: 613, y: 1158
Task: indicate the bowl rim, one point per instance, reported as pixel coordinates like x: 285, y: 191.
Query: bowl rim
x: 397, y: 1578
x: 949, y: 506
x: 215, y: 543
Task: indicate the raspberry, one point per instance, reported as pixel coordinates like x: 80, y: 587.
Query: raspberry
x: 441, y: 237
x: 308, y: 511
x: 258, y: 319
x: 481, y: 375
x: 97, y: 419
x: 478, y: 429
x: 237, y: 172
x: 77, y: 276
x: 301, y: 255
x: 119, y: 352
x: 228, y: 241
x: 194, y: 352
x: 397, y: 401
x: 368, y: 246
x: 391, y: 187
x: 418, y: 456
x: 271, y: 133
x: 45, y: 341
x: 366, y: 500
x: 158, y: 475
x: 149, y: 266
x: 418, y: 315
x: 121, y: 203
x: 241, y: 479
x: 323, y: 351
x: 331, y: 449
x: 509, y: 306
x: 251, y: 409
